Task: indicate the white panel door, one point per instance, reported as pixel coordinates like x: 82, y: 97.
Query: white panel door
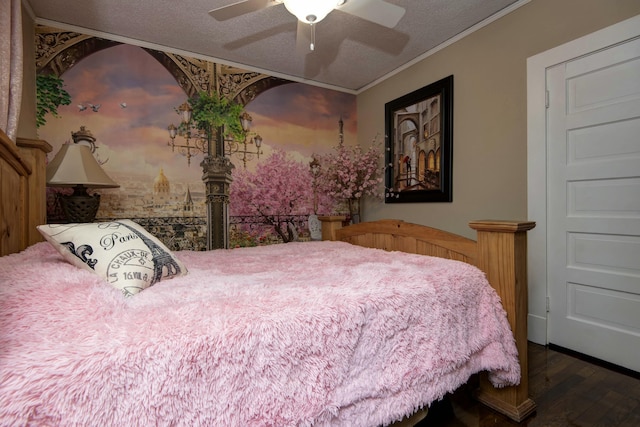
x: 593, y: 204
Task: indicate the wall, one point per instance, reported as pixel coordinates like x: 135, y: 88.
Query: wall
x: 490, y: 122
x: 126, y: 98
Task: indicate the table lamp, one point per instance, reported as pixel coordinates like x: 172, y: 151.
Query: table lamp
x: 74, y: 166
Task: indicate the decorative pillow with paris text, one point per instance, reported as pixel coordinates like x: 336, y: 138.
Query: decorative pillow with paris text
x: 120, y: 251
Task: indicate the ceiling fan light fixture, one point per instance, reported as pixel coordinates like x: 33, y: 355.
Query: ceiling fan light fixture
x: 310, y: 12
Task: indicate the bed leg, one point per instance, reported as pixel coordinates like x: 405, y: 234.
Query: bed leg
x: 502, y: 255
x: 331, y: 224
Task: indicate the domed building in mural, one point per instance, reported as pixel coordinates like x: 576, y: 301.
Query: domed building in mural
x: 161, y: 184
x: 164, y: 202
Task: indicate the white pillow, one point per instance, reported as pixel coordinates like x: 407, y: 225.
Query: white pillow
x: 120, y: 251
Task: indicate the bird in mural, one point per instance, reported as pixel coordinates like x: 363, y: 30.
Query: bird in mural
x: 123, y: 105
x: 82, y: 107
x: 95, y: 107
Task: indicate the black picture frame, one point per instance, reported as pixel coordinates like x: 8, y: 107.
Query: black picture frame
x: 419, y: 145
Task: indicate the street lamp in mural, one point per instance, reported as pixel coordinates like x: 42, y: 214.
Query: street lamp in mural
x: 195, y: 141
x: 196, y: 137
x: 314, y: 167
x: 241, y: 148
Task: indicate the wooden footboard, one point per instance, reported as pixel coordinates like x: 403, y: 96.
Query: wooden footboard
x: 500, y: 252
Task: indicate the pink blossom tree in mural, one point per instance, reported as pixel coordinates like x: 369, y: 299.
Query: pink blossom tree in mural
x: 278, y: 192
x: 349, y: 173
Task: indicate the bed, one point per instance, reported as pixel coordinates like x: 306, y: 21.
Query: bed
x: 364, y: 328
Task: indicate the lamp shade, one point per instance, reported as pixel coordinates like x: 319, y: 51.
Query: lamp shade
x: 75, y: 165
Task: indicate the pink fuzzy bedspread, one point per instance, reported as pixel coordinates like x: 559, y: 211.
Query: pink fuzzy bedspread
x: 300, y: 334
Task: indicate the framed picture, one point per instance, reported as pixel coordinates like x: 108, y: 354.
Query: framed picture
x: 419, y: 138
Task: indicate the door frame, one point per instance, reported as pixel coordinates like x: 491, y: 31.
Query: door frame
x: 537, y: 158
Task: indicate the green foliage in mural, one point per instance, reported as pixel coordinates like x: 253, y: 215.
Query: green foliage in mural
x: 214, y: 111
x: 50, y: 94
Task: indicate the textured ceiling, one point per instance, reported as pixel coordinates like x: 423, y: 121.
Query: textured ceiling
x: 351, y: 53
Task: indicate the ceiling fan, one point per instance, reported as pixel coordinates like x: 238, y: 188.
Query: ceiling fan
x: 311, y: 12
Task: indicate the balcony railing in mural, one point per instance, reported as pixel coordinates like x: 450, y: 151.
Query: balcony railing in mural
x: 189, y: 233
x: 258, y: 231
x: 177, y: 233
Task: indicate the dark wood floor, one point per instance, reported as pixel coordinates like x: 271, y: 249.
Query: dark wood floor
x: 568, y: 391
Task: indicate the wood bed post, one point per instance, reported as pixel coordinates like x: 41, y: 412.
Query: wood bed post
x: 502, y: 255
x: 35, y: 152
x: 331, y: 224
x: 14, y: 197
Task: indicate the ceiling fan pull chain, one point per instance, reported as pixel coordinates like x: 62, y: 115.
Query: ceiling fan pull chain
x: 312, y: 46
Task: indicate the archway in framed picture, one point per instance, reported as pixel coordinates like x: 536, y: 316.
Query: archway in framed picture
x: 419, y: 125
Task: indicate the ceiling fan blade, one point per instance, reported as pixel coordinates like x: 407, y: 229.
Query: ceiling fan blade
x: 376, y: 11
x: 240, y: 8
x: 287, y: 27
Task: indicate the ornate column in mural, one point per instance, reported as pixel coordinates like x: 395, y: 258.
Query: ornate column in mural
x: 216, y: 174
x: 202, y: 75
x: 241, y: 86
x: 233, y: 83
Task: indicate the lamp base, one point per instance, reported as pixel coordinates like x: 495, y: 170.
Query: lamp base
x: 80, y: 206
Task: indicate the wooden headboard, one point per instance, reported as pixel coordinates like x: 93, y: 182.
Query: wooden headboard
x: 396, y: 235
x: 22, y: 192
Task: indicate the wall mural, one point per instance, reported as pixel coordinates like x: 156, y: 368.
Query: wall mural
x: 127, y: 96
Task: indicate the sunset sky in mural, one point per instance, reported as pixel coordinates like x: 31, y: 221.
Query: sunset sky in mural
x: 132, y: 139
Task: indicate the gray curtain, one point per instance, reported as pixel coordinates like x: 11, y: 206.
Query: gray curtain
x: 10, y: 66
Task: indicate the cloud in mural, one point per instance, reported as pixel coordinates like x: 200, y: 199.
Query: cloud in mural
x: 303, y: 118
x: 310, y: 106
